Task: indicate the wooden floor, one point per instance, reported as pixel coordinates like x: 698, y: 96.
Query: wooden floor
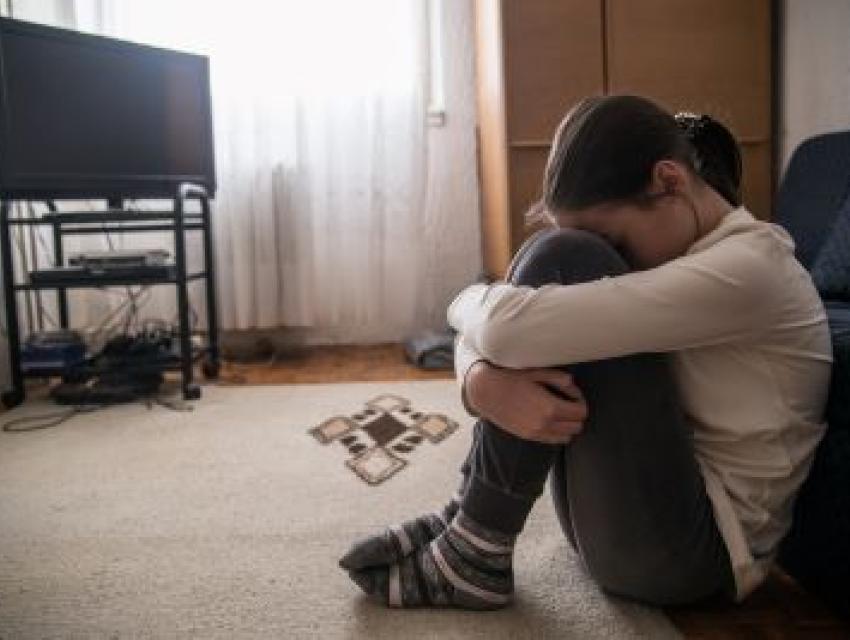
x: 330, y: 364
x: 778, y: 610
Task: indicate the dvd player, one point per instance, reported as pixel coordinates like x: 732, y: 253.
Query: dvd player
x: 85, y: 276
x: 104, y: 260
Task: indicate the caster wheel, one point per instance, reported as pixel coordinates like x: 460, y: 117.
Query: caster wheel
x: 210, y: 369
x: 12, y: 399
x: 192, y: 392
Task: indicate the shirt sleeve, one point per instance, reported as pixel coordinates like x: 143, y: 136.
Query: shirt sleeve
x: 465, y: 357
x: 717, y: 295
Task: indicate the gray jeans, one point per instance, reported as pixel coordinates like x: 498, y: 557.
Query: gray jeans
x: 627, y: 490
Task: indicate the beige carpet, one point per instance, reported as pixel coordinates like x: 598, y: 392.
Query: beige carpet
x: 227, y: 522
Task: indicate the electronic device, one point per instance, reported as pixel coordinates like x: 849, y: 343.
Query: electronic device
x: 106, y: 260
x: 52, y: 351
x: 128, y: 367
x: 73, y: 276
x: 89, y: 116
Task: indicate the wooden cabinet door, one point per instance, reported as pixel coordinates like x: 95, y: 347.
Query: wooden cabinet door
x: 553, y: 57
x: 707, y: 56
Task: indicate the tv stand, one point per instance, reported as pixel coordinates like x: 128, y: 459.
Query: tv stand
x: 118, y: 220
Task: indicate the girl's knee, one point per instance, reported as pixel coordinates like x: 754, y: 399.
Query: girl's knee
x: 565, y: 256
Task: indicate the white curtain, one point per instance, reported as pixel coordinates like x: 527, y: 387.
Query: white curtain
x: 319, y: 111
x: 322, y: 217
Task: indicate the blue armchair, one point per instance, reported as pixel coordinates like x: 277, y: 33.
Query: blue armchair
x: 814, y: 192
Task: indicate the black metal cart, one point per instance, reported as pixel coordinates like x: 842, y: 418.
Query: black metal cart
x: 119, y: 220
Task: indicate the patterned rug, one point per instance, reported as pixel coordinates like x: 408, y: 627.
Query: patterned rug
x: 382, y: 434
x: 227, y: 522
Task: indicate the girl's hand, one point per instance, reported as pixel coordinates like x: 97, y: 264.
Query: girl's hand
x: 543, y: 405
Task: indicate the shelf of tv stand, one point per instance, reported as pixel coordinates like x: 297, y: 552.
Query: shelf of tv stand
x: 99, y: 282
x: 113, y: 221
x: 175, y: 220
x: 170, y: 362
x: 99, y: 217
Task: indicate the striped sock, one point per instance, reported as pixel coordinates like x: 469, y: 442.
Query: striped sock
x: 467, y: 566
x: 399, y: 540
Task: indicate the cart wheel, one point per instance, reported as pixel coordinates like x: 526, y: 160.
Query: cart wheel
x: 210, y: 369
x: 192, y: 392
x: 12, y: 398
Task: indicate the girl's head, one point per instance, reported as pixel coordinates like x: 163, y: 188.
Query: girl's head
x: 650, y: 182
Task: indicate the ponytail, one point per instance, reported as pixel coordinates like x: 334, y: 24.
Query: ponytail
x: 715, y: 155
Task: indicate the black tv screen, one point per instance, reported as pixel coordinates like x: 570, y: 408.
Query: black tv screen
x: 89, y: 116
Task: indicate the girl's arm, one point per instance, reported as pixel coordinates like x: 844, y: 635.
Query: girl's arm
x: 723, y: 293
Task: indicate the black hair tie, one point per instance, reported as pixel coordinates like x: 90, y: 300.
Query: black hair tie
x: 715, y: 153
x: 695, y: 127
x: 692, y: 124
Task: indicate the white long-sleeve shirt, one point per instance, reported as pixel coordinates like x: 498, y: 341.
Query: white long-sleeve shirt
x: 751, y: 353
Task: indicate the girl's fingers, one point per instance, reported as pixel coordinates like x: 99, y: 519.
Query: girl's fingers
x: 561, y: 432
x: 569, y: 411
x: 559, y: 383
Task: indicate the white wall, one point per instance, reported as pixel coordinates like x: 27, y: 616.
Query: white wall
x: 58, y: 12
x: 815, y: 76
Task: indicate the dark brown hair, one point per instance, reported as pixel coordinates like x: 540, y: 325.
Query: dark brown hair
x: 606, y: 147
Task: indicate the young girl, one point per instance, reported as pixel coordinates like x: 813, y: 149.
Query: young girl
x: 660, y: 351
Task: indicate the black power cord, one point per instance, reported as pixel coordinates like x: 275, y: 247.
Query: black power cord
x: 47, y: 420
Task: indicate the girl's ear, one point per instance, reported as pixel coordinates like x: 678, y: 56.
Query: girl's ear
x: 668, y: 177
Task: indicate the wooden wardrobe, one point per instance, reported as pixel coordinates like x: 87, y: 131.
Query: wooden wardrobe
x: 536, y: 58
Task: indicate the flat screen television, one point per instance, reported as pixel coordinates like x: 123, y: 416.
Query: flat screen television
x: 85, y: 116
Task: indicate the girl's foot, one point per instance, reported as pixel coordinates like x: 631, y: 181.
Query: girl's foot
x: 466, y: 566
x: 399, y: 540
